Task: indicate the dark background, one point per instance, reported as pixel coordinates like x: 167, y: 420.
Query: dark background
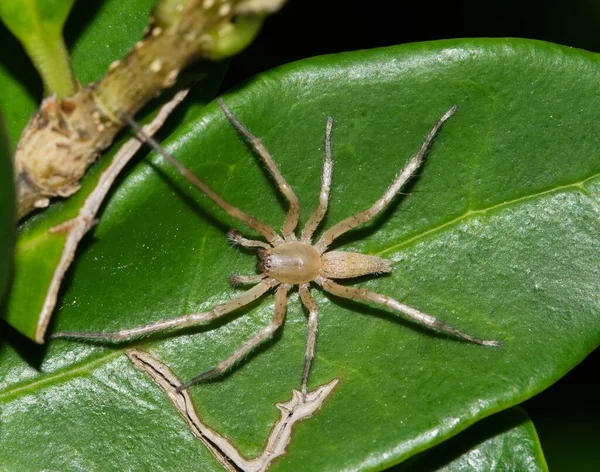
x: 567, y: 414
x: 306, y: 28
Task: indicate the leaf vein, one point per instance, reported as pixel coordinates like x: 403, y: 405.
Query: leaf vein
x: 580, y: 186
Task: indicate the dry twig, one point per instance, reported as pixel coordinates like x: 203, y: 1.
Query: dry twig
x: 297, y: 409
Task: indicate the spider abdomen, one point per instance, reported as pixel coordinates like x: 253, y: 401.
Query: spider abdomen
x: 290, y: 263
x: 345, y: 265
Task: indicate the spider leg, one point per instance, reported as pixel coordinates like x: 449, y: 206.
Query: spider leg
x: 354, y: 293
x: 181, y: 322
x: 311, y: 338
x: 233, y: 211
x: 236, y: 238
x: 262, y: 335
x: 237, y: 280
x: 315, y: 219
x: 293, y: 215
x: 358, y: 219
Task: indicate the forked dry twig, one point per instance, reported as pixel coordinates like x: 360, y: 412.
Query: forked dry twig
x: 297, y: 409
x: 85, y: 220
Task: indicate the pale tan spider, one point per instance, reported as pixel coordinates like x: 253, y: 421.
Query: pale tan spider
x: 287, y: 261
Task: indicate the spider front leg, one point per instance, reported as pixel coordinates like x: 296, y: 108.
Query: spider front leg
x: 311, y: 337
x: 250, y: 344
x: 315, y: 219
x: 236, y: 302
x: 354, y: 293
x: 236, y: 238
x: 250, y: 221
x: 293, y: 215
x: 360, y: 218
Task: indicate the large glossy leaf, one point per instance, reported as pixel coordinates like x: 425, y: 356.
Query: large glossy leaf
x: 497, y: 235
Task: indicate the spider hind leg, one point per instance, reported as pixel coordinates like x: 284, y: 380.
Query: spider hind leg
x: 261, y: 336
x: 243, y: 299
x: 311, y: 336
x: 355, y: 293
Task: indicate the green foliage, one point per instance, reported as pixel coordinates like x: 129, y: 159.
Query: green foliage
x: 7, y: 210
x: 497, y: 236
x: 38, y: 24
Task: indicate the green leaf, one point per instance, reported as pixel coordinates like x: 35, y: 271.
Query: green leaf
x: 7, y: 209
x: 39, y: 24
x: 505, y: 441
x: 498, y: 236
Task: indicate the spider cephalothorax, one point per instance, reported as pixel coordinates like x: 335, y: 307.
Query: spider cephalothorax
x: 287, y: 260
x: 290, y: 263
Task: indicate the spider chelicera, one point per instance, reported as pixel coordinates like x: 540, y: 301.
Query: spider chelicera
x: 287, y: 260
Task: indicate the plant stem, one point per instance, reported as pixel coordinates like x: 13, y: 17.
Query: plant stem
x: 51, y: 59
x: 66, y: 136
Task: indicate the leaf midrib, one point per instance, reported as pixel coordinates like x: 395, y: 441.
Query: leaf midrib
x: 580, y: 186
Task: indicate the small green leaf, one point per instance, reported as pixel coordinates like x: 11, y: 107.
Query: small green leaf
x: 498, y: 235
x: 504, y: 441
x: 39, y: 24
x: 7, y: 209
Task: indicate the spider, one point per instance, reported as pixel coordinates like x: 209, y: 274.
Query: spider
x: 286, y: 260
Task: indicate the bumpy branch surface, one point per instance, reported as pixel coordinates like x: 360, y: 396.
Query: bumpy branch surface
x: 297, y: 409
x: 66, y: 136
